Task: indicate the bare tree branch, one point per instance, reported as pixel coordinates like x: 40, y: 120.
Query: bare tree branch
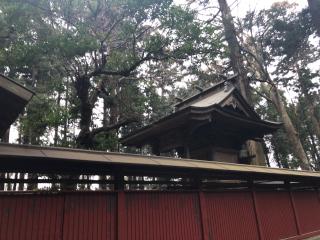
x: 113, y: 126
x: 261, y: 95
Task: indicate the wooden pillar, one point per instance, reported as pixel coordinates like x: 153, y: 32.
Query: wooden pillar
x: 183, y: 151
x: 155, y: 149
x: 118, y: 182
x: 186, y: 149
x: 204, y: 216
x: 6, y: 136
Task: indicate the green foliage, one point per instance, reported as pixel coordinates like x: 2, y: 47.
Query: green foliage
x: 42, y: 113
x: 145, y: 52
x: 107, y: 141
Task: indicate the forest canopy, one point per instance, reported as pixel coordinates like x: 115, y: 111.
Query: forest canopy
x: 102, y: 68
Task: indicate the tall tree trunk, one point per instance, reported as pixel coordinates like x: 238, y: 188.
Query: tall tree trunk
x: 56, y: 127
x: 314, y: 121
x: 266, y: 151
x: 114, y: 107
x: 309, y: 101
x: 293, y: 136
x: 235, y: 53
x: 276, y: 155
x: 84, y: 139
x: 315, y: 148
x: 66, y: 122
x: 238, y: 66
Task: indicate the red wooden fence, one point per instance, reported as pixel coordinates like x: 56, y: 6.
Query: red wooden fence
x: 160, y: 216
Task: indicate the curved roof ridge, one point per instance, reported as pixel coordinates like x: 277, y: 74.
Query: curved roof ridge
x: 205, y: 91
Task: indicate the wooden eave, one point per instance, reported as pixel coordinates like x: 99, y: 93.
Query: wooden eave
x: 180, y: 118
x: 22, y: 158
x: 15, y: 88
x: 13, y: 99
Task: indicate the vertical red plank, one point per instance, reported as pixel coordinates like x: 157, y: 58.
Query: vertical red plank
x: 49, y: 225
x: 308, y: 210
x: 276, y: 214
x: 34, y: 215
x: 295, y: 213
x: 138, y: 222
x: 106, y: 225
x: 41, y: 208
x: 163, y: 215
x: 89, y: 216
x: 112, y: 218
x: 78, y: 227
x: 142, y: 209
x: 78, y: 198
x: 231, y: 216
x: 204, y: 216
x: 10, y: 222
x: 257, y: 214
x: 4, y: 217
x: 17, y: 218
x: 81, y: 209
x: 121, y: 226
x: 93, y: 219
x: 66, y: 223
x: 29, y: 217
x: 171, y: 215
x: 155, y: 215
x: 56, y: 223
x: 87, y: 227
x: 8, y: 219
x: 35, y: 221
x: 21, y: 226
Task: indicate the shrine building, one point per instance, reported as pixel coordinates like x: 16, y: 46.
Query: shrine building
x: 213, y: 125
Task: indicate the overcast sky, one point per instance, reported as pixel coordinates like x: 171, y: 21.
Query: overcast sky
x: 240, y: 7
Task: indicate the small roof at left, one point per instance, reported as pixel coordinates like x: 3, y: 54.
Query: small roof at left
x: 13, y: 98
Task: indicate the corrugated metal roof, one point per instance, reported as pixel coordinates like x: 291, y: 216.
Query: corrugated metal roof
x: 9, y: 151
